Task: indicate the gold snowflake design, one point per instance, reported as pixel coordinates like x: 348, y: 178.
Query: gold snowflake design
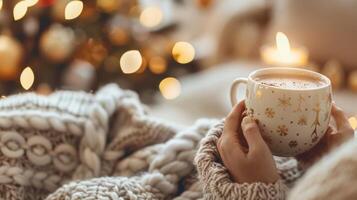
x: 302, y: 121
x: 314, y: 139
x: 300, y: 101
x: 284, y: 101
x: 259, y: 94
x: 329, y: 98
x: 269, y: 112
x: 317, y: 109
x: 293, y: 144
x: 282, y: 130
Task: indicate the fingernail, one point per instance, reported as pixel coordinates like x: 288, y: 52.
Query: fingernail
x: 247, y: 120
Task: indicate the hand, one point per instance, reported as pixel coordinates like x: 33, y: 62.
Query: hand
x: 334, y: 136
x: 246, y: 163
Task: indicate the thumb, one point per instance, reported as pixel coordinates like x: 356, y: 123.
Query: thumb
x: 252, y: 134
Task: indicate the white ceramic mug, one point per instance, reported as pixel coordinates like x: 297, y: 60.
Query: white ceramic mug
x: 291, y: 121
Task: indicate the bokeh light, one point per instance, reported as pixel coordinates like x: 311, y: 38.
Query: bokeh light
x: 109, y: 5
x: 170, y: 88
x: 20, y: 10
x: 31, y: 2
x: 73, y: 9
x: 157, y: 65
x: 143, y: 66
x: 183, y: 52
x: 0, y: 4
x: 151, y: 16
x: 130, y: 61
x: 27, y: 78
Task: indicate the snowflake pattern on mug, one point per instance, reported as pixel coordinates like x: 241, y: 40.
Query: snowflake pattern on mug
x: 329, y: 98
x: 284, y: 101
x: 269, y: 112
x: 282, y: 130
x: 302, y: 121
x: 301, y: 99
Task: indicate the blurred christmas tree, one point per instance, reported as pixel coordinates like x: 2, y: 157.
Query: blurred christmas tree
x: 81, y: 45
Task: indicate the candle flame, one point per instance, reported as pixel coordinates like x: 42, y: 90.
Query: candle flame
x: 282, y: 43
x: 27, y: 78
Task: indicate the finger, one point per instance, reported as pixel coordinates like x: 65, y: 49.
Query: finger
x: 340, y: 118
x: 252, y: 134
x: 232, y: 122
x: 228, y: 147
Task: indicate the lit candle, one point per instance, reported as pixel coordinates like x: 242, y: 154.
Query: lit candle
x: 282, y: 54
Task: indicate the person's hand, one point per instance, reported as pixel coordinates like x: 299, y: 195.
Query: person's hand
x: 334, y: 136
x: 248, y: 163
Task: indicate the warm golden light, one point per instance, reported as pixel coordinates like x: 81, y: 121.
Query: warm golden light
x: 282, y: 43
x: 27, y: 78
x: 170, y: 88
x: 183, y: 52
x: 0, y: 4
x: 73, y: 9
x: 282, y: 54
x: 353, y: 122
x: 157, y: 65
x: 109, y: 5
x: 130, y: 61
x: 20, y: 10
x: 151, y: 16
x: 31, y: 2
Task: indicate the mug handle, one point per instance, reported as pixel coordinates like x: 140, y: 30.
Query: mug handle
x: 234, y: 90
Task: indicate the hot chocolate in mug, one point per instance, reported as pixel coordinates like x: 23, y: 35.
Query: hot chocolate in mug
x: 292, y: 107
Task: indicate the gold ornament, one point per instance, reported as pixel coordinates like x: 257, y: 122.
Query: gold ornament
x: 93, y: 51
x: 109, y: 6
x: 352, y: 81
x: 44, y: 89
x: 80, y: 75
x: 57, y: 43
x: 118, y: 31
x: 334, y: 71
x: 10, y: 57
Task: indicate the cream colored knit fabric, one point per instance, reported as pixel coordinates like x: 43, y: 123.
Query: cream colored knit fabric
x: 334, y: 177
x: 216, y: 180
x: 74, y: 145
x: 48, y: 141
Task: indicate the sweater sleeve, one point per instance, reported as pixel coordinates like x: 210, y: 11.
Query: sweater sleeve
x: 216, y: 180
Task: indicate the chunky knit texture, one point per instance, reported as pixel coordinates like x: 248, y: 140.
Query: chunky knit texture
x: 334, y: 177
x: 74, y: 145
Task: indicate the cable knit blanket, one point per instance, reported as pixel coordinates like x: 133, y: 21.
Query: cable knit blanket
x: 76, y: 145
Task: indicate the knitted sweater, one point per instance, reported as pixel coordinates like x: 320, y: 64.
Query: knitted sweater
x: 75, y: 145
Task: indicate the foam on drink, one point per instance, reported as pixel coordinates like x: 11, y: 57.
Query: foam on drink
x: 289, y: 81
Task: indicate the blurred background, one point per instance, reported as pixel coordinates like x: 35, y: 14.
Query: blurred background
x: 180, y: 56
